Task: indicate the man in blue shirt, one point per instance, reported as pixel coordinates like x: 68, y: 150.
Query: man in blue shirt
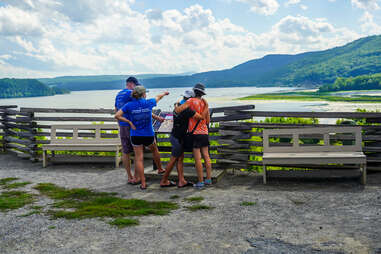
x: 122, y: 98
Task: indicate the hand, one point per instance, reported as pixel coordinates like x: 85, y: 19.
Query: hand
x: 166, y: 93
x: 133, y: 126
x: 160, y: 119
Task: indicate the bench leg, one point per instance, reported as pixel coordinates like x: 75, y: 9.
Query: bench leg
x: 363, y: 177
x: 44, y: 158
x: 117, y: 158
x: 264, y: 174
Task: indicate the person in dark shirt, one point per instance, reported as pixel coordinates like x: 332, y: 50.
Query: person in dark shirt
x: 179, y: 130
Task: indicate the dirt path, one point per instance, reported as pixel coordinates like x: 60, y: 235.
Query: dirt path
x: 330, y: 216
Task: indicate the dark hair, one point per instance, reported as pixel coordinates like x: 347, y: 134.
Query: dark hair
x: 198, y: 93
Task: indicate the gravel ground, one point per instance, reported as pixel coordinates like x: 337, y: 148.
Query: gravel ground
x: 320, y: 216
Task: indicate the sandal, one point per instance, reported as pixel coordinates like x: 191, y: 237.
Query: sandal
x: 171, y: 184
x: 199, y: 185
x: 143, y: 188
x: 188, y: 184
x: 208, y: 182
x: 161, y: 172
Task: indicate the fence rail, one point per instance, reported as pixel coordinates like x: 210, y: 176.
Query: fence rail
x: 235, y: 134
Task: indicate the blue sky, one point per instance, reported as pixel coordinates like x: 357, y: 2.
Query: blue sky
x: 47, y: 38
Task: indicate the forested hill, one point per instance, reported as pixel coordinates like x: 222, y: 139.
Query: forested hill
x: 360, y: 57
x: 363, y: 82
x: 13, y: 88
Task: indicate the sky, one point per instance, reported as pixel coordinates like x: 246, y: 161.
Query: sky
x: 48, y: 38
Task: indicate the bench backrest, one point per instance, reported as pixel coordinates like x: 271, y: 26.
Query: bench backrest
x: 326, y: 133
x: 95, y: 129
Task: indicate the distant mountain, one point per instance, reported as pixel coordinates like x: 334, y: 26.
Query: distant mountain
x: 13, y: 88
x: 359, y: 57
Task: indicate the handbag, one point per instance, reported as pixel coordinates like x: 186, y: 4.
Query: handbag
x: 188, y: 139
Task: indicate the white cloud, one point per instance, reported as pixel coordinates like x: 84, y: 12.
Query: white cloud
x: 264, y: 7
x: 369, y: 26
x: 366, y: 4
x: 14, y: 21
x: 117, y: 39
x: 292, y: 2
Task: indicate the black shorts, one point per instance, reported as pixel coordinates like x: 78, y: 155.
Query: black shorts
x: 177, y: 147
x: 142, y: 140
x: 200, y: 140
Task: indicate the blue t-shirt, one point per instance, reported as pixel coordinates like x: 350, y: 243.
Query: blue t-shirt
x: 121, y: 99
x: 140, y: 114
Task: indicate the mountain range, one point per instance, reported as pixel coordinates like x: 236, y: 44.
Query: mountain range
x: 313, y: 69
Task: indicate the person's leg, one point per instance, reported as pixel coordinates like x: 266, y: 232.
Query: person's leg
x: 208, y: 163
x: 180, y: 171
x: 168, y: 169
x: 139, y: 165
x: 198, y: 164
x: 127, y: 165
x: 156, y: 157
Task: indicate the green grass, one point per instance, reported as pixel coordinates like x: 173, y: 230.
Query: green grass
x: 15, y: 199
x: 194, y: 208
x: 15, y: 185
x: 245, y: 203
x: 5, y: 181
x: 51, y: 227
x: 194, y: 199
x: 30, y: 213
x: 124, y: 222
x: 174, y: 197
x: 84, y: 203
x: 312, y: 96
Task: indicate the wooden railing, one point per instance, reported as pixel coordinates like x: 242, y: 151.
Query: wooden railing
x: 235, y: 130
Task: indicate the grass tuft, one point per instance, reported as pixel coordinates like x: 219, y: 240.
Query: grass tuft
x: 15, y: 199
x: 84, y: 203
x: 124, y: 222
x: 51, y: 227
x: 245, y: 203
x: 174, y: 197
x: 4, y: 181
x: 194, y: 199
x: 30, y: 213
x: 194, y: 208
x: 15, y: 185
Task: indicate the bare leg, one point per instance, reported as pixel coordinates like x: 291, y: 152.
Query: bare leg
x: 127, y: 165
x: 208, y: 163
x: 180, y: 171
x: 139, y: 165
x: 156, y: 156
x: 198, y: 164
x: 168, y: 169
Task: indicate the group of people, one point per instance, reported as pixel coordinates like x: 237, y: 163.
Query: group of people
x: 191, y: 119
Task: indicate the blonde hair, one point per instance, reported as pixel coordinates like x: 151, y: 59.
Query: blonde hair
x: 136, y: 95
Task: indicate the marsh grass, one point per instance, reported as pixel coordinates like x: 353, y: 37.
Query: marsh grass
x: 194, y: 208
x: 124, y: 222
x: 246, y: 203
x: 194, y: 199
x: 10, y: 200
x: 15, y: 185
x: 5, y: 181
x: 84, y: 203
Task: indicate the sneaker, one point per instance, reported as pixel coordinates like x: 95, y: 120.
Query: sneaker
x: 199, y: 185
x: 208, y: 182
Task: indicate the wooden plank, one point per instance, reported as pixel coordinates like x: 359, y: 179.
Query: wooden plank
x: 19, y: 154
x: 222, y: 109
x: 68, y: 110
x: 231, y: 118
x: 8, y: 106
x: 318, y: 114
x: 19, y: 141
x: 75, y: 119
x: 19, y: 126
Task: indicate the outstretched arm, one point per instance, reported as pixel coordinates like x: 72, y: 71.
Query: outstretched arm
x: 119, y: 116
x: 158, y: 118
x: 160, y: 96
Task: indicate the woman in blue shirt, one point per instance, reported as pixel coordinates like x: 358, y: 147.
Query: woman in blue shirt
x: 139, y: 112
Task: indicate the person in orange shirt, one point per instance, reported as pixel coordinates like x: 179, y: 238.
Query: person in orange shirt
x: 199, y: 133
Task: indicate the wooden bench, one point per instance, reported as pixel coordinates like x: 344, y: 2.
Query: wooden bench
x: 330, y: 152
x: 93, y: 141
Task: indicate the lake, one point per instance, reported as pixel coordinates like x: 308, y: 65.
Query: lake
x: 217, y: 97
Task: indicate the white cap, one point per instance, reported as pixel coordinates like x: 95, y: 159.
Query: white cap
x: 188, y: 94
